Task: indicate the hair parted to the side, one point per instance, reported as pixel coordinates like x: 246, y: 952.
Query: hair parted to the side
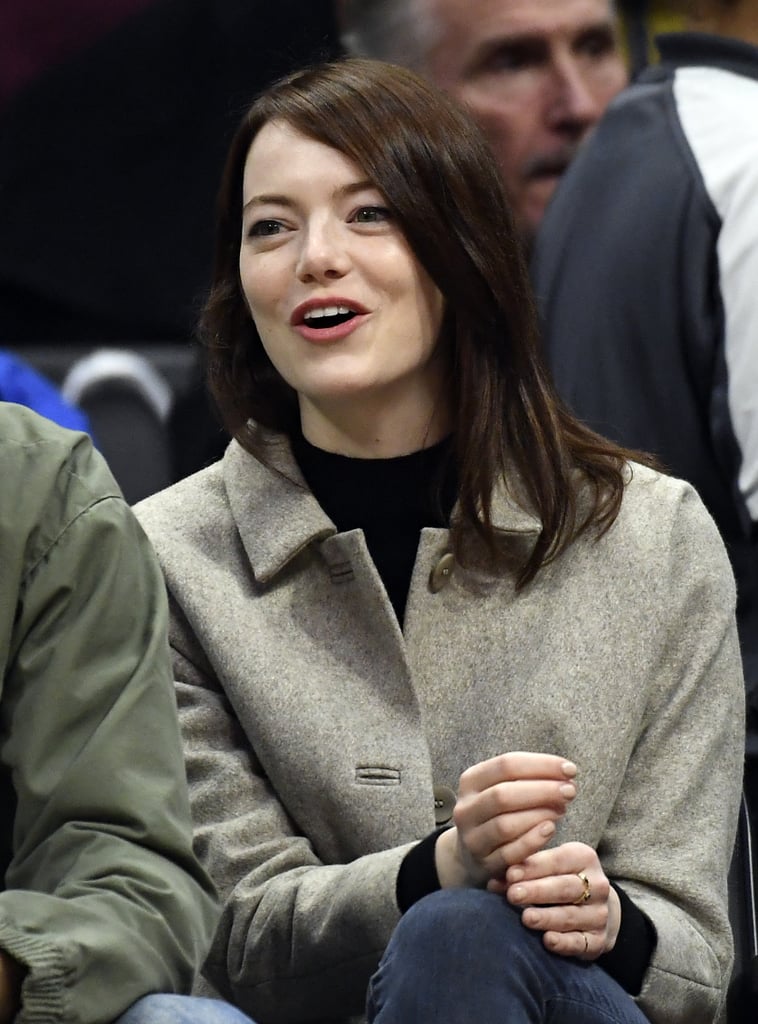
x: 438, y: 176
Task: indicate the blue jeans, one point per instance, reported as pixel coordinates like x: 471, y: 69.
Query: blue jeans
x: 167, y: 1009
x: 462, y: 955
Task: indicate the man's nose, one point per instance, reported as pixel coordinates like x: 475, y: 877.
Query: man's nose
x: 323, y: 255
x: 577, y: 104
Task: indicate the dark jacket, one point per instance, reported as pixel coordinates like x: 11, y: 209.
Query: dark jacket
x: 646, y: 269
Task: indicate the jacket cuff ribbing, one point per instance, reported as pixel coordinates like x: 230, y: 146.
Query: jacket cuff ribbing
x: 43, y: 993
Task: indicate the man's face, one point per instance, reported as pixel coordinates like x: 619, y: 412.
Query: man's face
x: 536, y: 75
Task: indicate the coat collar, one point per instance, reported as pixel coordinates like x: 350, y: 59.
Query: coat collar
x: 701, y: 49
x: 277, y: 516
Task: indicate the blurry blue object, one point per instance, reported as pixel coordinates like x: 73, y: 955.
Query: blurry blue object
x: 22, y: 384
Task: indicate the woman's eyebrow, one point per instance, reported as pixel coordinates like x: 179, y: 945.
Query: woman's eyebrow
x: 273, y: 200
x: 276, y: 199
x: 356, y: 186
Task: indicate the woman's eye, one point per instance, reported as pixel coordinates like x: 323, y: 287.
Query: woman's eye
x: 263, y: 228
x: 372, y: 214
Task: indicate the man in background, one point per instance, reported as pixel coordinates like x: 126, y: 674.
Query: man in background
x: 646, y: 268
x: 535, y: 74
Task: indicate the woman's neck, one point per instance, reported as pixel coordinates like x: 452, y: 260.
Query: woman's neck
x: 374, y: 433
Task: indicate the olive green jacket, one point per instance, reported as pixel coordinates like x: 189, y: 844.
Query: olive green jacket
x: 316, y: 731
x: 103, y: 900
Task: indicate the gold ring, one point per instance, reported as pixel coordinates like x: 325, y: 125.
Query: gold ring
x: 586, y: 943
x: 586, y: 892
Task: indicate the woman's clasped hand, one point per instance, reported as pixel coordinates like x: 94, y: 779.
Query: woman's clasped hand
x: 506, y: 810
x: 565, y: 894
x: 504, y: 818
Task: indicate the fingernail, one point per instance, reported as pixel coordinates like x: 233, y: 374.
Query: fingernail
x: 518, y: 894
x: 568, y: 790
x: 569, y: 769
x: 515, y: 874
x: 547, y: 829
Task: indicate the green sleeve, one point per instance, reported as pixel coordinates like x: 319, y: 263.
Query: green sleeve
x: 104, y: 901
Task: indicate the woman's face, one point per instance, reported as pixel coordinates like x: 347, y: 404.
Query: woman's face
x: 346, y: 313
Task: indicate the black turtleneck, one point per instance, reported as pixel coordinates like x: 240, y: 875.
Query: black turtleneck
x: 391, y: 500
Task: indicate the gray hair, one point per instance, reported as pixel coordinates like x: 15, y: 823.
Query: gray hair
x: 398, y: 31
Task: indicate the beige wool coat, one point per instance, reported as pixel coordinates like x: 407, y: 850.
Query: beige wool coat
x: 317, y: 733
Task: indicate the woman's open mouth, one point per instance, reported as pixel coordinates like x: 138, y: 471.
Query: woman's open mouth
x: 328, y: 316
x: 328, y: 321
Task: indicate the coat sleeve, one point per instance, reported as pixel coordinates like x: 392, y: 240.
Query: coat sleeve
x: 670, y: 837
x: 298, y: 939
x: 104, y: 900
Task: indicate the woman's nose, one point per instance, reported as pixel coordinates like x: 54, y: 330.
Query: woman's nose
x: 323, y: 256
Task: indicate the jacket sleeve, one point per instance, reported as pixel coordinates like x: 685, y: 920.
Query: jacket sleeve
x: 104, y: 899
x: 671, y: 853
x: 298, y: 939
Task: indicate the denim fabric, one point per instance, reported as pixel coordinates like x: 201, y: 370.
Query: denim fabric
x: 462, y: 955
x: 168, y: 1009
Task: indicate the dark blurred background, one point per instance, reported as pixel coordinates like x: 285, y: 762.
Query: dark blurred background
x: 114, y: 121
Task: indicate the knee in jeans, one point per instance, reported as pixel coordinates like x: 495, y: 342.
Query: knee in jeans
x: 466, y: 912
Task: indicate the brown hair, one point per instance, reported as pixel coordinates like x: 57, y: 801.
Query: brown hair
x: 437, y: 174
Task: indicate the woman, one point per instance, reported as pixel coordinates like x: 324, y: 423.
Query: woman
x: 414, y: 575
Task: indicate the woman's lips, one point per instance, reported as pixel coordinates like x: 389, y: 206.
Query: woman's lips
x: 324, y: 335
x: 309, y: 318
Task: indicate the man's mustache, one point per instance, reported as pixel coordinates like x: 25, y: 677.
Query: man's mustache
x: 549, y: 164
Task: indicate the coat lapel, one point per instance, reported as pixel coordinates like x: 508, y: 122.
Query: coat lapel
x: 276, y: 514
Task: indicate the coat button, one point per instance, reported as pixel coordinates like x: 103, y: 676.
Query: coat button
x: 441, y: 574
x: 444, y: 802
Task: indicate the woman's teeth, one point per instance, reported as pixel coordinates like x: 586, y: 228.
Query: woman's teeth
x: 322, y: 311
x: 328, y: 316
